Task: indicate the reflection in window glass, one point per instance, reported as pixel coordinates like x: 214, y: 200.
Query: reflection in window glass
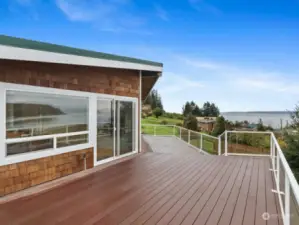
x: 72, y: 140
x: 30, y: 146
x: 105, y: 129
x: 127, y: 130
x: 33, y: 114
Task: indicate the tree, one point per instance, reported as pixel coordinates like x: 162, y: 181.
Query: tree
x: 187, y: 109
x: 190, y: 122
x: 206, y: 109
x: 219, y: 126
x: 210, y: 109
x: 197, y: 111
x: 291, y: 140
x: 191, y: 108
x: 154, y: 100
x: 157, y: 112
x: 260, y: 126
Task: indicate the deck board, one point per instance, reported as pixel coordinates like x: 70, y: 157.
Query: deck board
x: 177, y: 186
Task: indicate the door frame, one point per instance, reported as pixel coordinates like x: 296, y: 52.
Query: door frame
x: 94, y: 126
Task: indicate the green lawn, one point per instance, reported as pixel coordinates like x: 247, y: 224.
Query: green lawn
x: 208, y: 145
x: 159, y: 130
x: 154, y: 120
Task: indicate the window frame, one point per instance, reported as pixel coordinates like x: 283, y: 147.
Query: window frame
x: 91, y: 132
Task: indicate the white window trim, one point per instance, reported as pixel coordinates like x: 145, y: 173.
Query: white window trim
x: 5, y: 160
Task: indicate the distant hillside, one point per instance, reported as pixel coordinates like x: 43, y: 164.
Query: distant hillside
x: 31, y: 110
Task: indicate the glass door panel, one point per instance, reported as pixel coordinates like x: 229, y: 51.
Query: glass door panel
x: 105, y: 129
x: 126, y: 127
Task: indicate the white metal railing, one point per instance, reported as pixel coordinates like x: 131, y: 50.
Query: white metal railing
x: 54, y: 137
x: 286, y: 185
x: 203, y: 142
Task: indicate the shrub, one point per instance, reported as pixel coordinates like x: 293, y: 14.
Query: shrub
x: 164, y: 122
x: 190, y: 123
x: 179, y: 124
x: 157, y: 112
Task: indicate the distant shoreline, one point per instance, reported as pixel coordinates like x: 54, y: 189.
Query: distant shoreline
x: 260, y: 112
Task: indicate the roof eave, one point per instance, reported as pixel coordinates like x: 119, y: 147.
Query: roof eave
x: 23, y: 54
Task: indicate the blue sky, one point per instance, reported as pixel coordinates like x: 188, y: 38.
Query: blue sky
x: 241, y: 54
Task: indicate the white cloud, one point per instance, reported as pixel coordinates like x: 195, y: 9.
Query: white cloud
x: 108, y: 15
x: 231, y: 87
x: 202, y: 64
x: 277, y: 84
x: 172, y: 83
x: 79, y: 10
x: 161, y: 13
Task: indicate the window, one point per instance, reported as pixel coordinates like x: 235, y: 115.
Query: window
x: 29, y: 115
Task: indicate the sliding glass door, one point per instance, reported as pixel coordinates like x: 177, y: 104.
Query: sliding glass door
x: 116, y: 128
x: 105, y: 129
x: 125, y: 129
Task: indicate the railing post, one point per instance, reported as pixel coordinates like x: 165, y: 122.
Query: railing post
x: 173, y: 130
x: 154, y: 130
x: 287, y: 212
x: 219, y: 145
x: 271, y: 146
x: 188, y: 136
x: 55, y: 142
x: 201, y: 140
x: 180, y: 133
x: 225, y: 134
x: 278, y: 173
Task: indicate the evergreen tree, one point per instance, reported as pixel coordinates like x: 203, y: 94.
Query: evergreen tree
x: 210, y: 109
x: 206, y: 109
x: 187, y: 109
x: 154, y: 100
x: 197, y: 111
x: 219, y: 126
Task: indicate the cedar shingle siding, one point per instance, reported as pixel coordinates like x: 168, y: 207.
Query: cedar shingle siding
x: 19, y: 176
x: 79, y: 78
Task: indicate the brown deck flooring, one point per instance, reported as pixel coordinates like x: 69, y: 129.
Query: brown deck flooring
x: 158, y: 188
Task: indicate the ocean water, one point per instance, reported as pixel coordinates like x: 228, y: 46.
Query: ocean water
x: 273, y: 119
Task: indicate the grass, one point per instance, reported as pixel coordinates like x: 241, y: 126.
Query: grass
x: 159, y: 130
x: 154, y: 120
x: 207, y: 145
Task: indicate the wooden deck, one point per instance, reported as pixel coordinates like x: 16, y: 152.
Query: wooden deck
x: 158, y: 188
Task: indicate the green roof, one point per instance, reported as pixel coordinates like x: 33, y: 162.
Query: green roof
x: 43, y: 46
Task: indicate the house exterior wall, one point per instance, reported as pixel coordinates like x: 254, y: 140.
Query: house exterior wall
x: 79, y: 78
x: 208, y: 127
x: 18, y: 176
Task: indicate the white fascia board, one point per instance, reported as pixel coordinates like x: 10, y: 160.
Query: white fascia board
x: 14, y: 53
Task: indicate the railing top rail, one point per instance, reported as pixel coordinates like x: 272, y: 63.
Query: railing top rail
x: 248, y: 131
x: 210, y: 136
x: 44, y: 137
x: 293, y: 182
x: 157, y: 125
x: 221, y: 134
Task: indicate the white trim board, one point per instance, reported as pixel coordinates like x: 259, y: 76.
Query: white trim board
x: 14, y: 53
